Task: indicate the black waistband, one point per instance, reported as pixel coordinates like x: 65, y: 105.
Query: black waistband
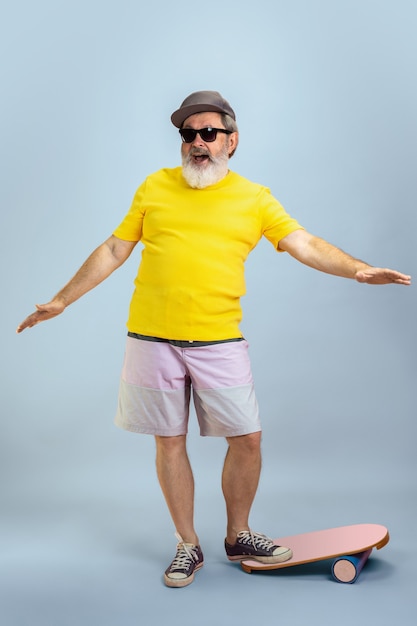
x: 183, y: 344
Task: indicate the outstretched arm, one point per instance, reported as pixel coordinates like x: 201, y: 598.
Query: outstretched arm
x: 321, y: 255
x: 100, y: 264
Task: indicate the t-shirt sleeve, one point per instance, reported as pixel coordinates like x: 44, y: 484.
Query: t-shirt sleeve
x: 276, y: 222
x: 130, y: 228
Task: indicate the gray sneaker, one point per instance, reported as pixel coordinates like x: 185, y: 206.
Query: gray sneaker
x: 251, y: 545
x: 188, y: 560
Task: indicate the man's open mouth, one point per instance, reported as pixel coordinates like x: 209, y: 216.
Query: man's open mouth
x: 200, y: 158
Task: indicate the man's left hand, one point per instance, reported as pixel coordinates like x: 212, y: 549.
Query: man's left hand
x: 380, y: 276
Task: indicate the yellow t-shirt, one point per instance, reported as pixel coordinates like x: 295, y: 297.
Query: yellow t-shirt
x: 191, y: 275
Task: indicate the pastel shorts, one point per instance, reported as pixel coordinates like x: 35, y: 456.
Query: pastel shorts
x: 158, y: 379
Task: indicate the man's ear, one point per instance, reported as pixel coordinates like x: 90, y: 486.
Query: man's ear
x: 233, y: 142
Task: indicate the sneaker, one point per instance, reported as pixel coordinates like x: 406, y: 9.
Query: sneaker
x: 188, y: 559
x: 251, y: 545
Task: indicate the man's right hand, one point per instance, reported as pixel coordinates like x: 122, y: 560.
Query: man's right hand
x: 43, y: 312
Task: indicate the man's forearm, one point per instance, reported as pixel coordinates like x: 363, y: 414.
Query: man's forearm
x: 99, y: 265
x: 323, y: 256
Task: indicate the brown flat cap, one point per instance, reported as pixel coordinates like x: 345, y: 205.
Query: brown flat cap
x: 200, y: 102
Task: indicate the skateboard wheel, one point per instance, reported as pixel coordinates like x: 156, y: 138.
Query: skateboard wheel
x: 346, y: 569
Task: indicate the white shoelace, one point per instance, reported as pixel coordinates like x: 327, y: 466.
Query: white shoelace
x: 256, y: 539
x: 184, y: 554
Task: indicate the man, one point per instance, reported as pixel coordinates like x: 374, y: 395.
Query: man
x: 198, y: 223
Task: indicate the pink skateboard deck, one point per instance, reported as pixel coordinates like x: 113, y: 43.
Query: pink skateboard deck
x: 350, y: 546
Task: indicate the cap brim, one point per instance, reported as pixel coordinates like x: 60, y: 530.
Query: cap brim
x: 178, y: 117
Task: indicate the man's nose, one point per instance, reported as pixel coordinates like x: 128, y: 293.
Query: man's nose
x: 197, y: 141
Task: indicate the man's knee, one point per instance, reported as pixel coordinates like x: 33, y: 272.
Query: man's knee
x: 170, y: 445
x: 249, y: 444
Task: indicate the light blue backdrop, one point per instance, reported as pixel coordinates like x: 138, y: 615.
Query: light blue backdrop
x: 326, y: 99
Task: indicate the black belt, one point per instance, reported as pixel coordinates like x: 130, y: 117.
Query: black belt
x: 183, y: 344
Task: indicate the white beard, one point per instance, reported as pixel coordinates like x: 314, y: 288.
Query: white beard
x: 210, y: 173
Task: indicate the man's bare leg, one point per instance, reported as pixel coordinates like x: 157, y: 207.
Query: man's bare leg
x: 241, y: 472
x: 177, y: 484
x: 242, y: 468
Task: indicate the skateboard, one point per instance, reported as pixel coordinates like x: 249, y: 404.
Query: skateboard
x: 349, y: 546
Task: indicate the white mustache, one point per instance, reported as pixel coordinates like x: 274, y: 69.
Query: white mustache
x: 199, y: 152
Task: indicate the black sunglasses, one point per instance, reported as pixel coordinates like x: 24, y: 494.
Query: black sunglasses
x: 208, y: 134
